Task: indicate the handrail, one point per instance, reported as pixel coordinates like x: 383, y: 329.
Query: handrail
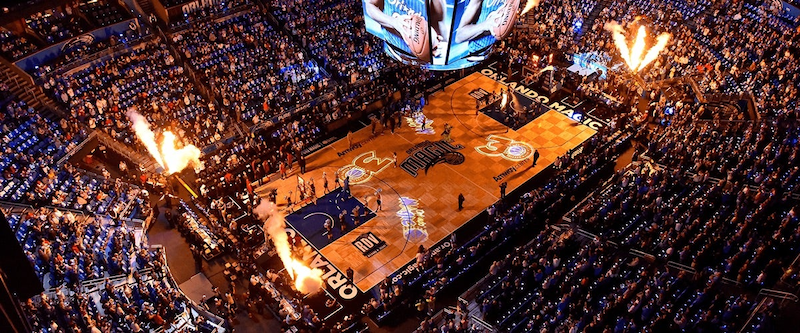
x: 114, y: 279
x: 50, y: 207
x: 752, y: 314
x: 682, y: 267
x: 483, y: 323
x: 77, y: 148
x: 774, y: 293
x: 15, y: 205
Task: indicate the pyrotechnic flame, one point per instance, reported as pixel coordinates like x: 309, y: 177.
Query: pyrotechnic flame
x: 652, y: 54
x: 177, y: 159
x: 306, y: 280
x: 635, y: 57
x: 142, y: 129
x: 529, y: 5
x: 638, y: 48
x: 167, y: 155
x: 504, y: 101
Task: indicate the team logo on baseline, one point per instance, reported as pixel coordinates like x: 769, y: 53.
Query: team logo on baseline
x: 426, y: 154
x: 369, y: 244
x: 413, y: 220
x: 506, y: 148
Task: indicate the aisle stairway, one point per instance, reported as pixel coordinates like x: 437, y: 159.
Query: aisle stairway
x: 124, y: 150
x: 146, y: 6
x: 21, y: 87
x: 588, y: 22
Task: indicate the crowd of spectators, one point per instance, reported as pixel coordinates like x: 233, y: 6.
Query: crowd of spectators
x: 333, y: 31
x: 57, y: 24
x: 560, y: 281
x: 759, y: 52
x: 250, y: 65
x: 15, y: 47
x: 145, y: 78
x: 68, y: 248
x: 32, y: 170
x: 145, y: 301
x: 721, y: 64
x: 715, y: 198
x: 103, y: 13
x: 196, y: 16
x: 76, y: 54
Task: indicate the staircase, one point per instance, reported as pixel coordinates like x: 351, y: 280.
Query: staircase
x: 588, y: 21
x: 146, y: 6
x: 132, y: 155
x: 23, y: 88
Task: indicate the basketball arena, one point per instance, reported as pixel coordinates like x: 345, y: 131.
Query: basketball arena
x: 399, y: 166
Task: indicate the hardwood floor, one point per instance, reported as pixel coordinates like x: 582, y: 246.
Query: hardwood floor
x: 492, y: 154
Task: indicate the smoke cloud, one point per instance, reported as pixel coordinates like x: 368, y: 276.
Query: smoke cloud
x: 142, y: 129
x: 306, y: 280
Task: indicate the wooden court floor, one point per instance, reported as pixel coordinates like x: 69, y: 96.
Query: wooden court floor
x: 492, y: 154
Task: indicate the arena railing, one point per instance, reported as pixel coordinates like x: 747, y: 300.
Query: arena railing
x: 753, y: 314
x: 102, y: 54
x: 783, y: 295
x: 77, y: 148
x: 90, y: 286
x: 768, y: 294
x: 13, y: 205
x: 217, y: 16
x: 215, y: 321
x: 16, y: 207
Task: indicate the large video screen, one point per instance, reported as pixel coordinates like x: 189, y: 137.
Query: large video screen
x: 440, y: 34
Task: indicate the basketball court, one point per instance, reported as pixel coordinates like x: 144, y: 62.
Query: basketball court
x: 420, y: 195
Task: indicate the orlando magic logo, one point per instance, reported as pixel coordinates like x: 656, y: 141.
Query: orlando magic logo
x: 77, y: 42
x: 427, y: 154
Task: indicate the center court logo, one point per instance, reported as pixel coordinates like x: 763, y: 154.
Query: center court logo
x: 369, y: 244
x: 429, y: 153
x: 416, y: 122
